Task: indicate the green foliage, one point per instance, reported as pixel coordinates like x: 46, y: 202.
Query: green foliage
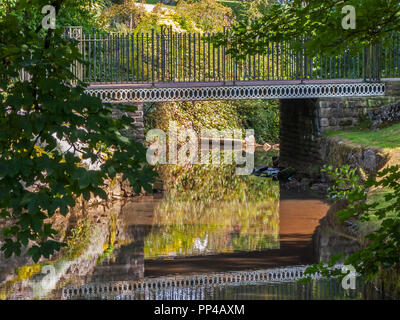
x: 70, y: 12
x: 258, y: 8
x: 238, y: 7
x: 262, y: 116
x: 319, y: 21
x: 122, y: 17
x: 209, y: 15
x: 326, y: 270
x: 382, y: 251
x: 345, y: 181
x: 49, y: 109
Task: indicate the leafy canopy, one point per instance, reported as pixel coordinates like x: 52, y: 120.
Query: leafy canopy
x: 37, y: 179
x: 320, y: 21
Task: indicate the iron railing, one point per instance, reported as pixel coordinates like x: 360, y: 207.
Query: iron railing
x: 188, y: 57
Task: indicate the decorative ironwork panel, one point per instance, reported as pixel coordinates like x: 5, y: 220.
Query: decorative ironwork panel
x: 238, y: 92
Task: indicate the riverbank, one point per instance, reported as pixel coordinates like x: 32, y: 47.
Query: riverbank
x: 369, y: 151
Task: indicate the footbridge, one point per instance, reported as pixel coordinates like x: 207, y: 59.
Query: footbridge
x: 318, y: 93
x: 168, y: 66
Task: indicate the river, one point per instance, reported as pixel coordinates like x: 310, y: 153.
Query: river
x: 250, y: 242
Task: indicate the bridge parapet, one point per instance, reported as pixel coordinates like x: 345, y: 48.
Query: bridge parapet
x: 168, y: 57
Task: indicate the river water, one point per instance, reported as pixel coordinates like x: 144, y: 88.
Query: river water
x: 252, y: 245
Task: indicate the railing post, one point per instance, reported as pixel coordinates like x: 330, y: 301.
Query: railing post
x: 94, y: 54
x: 364, y: 64
x: 234, y: 70
x: 223, y: 60
x: 372, y: 62
x: 378, y: 64
x: 302, y: 60
x: 162, y: 54
x: 152, y: 57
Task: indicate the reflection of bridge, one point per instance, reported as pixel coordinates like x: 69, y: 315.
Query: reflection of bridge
x: 185, y: 66
x: 163, y: 285
x: 272, y: 284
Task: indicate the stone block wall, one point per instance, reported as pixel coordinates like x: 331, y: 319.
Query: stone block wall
x: 137, y: 131
x: 337, y: 114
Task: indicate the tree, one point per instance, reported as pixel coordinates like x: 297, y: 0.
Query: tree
x: 37, y: 177
x: 208, y: 15
x: 83, y: 13
x: 126, y: 15
x: 318, y: 21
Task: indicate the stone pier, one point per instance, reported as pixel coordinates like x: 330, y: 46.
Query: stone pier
x: 137, y: 131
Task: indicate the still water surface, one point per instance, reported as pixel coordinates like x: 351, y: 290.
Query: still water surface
x: 233, y: 247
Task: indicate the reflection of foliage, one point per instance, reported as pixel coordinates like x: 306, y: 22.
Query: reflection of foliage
x: 106, y: 253
x: 23, y: 273
x: 212, y: 204
x: 79, y: 238
x: 189, y: 227
x: 208, y: 183
x: 109, y: 248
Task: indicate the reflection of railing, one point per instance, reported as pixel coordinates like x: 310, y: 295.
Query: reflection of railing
x: 189, y: 57
x: 155, y: 286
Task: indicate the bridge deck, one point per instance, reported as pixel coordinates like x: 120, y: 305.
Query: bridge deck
x: 217, y: 84
x: 264, y: 89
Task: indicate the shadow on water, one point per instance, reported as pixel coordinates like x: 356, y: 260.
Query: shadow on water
x: 250, y: 244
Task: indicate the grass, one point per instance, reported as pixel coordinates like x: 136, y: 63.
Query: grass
x: 386, y: 138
